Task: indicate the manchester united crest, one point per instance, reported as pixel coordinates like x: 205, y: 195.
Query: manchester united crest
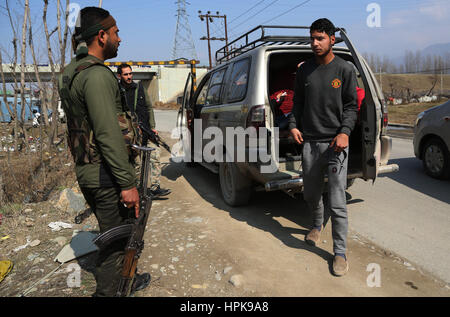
x: 336, y: 83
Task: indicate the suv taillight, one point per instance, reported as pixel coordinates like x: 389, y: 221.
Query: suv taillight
x: 257, y: 117
x: 385, y: 120
x: 385, y: 117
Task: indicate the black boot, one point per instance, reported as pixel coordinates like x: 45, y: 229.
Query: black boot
x: 140, y: 282
x: 159, y: 192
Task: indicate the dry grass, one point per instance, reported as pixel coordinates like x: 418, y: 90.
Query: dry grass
x: 31, y: 177
x: 407, y: 114
x: 418, y: 84
x: 28, y: 178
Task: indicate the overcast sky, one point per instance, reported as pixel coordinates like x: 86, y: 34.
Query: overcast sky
x: 147, y: 27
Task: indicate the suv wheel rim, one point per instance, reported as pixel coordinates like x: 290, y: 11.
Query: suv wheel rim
x: 434, y: 159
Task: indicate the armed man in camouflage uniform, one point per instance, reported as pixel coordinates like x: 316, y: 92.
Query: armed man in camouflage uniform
x: 99, y: 135
x: 139, y: 104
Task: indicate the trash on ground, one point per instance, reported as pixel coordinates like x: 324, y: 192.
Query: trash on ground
x: 5, y: 268
x: 58, y: 225
x: 4, y: 238
x: 23, y: 246
x: 81, y: 244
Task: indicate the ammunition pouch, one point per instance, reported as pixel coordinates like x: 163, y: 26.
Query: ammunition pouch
x: 82, y: 144
x: 129, y: 127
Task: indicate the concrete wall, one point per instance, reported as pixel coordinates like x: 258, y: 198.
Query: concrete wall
x: 151, y: 87
x: 169, y: 83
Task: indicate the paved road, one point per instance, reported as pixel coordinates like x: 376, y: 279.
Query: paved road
x: 405, y: 212
x: 165, y: 120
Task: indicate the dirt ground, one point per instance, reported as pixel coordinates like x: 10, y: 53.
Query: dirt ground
x: 196, y: 245
x: 166, y: 106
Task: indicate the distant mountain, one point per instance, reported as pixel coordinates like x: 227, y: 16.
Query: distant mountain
x: 436, y: 49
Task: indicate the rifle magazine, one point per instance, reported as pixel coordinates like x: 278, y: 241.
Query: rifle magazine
x: 114, y: 234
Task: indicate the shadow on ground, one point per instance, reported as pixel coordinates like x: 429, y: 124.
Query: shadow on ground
x: 261, y: 213
x: 412, y: 174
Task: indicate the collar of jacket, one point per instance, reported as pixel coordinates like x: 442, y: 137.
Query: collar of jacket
x: 133, y: 85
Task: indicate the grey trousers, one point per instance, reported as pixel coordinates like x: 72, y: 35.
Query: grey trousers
x: 320, y: 160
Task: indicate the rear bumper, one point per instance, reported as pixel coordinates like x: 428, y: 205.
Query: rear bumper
x: 298, y: 182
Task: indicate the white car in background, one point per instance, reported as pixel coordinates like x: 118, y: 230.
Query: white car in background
x: 432, y: 140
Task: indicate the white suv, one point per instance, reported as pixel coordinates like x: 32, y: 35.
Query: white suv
x: 236, y: 94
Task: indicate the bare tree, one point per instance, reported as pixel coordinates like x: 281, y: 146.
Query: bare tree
x: 418, y: 61
x: 22, y: 71
x: 15, y: 85
x: 63, y: 45
x: 63, y: 40
x: 5, y: 95
x: 409, y: 61
x: 41, y: 87
x: 53, y: 104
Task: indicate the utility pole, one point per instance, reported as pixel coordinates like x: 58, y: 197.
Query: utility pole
x: 209, y: 18
x: 100, y: 3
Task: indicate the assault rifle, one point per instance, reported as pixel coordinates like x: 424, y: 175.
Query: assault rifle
x: 148, y: 133
x: 134, y: 231
x: 155, y: 138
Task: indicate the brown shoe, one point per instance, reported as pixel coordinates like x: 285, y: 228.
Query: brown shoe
x: 313, y: 237
x: 340, y: 266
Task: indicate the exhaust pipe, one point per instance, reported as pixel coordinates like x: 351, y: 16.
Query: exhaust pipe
x: 283, y: 184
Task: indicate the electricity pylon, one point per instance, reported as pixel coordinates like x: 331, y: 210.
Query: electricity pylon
x: 183, y: 45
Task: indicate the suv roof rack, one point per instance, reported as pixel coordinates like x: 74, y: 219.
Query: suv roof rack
x: 228, y: 51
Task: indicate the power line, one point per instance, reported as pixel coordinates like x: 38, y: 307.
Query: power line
x: 217, y: 30
x: 246, y: 11
x: 270, y: 4
x: 290, y: 10
x: 209, y: 18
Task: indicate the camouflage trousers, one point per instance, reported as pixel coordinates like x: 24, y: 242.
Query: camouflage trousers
x: 154, y: 174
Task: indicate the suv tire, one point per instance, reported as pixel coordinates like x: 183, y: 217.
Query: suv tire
x: 436, y: 159
x: 236, y: 188
x: 350, y: 182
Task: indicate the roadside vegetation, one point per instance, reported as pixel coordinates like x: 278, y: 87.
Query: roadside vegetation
x: 407, y: 114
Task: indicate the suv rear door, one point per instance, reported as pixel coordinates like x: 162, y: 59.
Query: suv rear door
x: 370, y: 115
x: 184, y: 120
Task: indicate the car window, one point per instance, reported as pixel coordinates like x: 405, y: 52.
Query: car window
x: 217, y: 77
x: 201, y: 97
x: 239, y: 81
x: 215, y: 87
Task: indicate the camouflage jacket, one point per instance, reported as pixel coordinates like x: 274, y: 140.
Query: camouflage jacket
x: 96, y: 126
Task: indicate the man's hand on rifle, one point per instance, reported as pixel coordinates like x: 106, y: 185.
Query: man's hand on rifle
x: 130, y: 198
x: 156, y: 132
